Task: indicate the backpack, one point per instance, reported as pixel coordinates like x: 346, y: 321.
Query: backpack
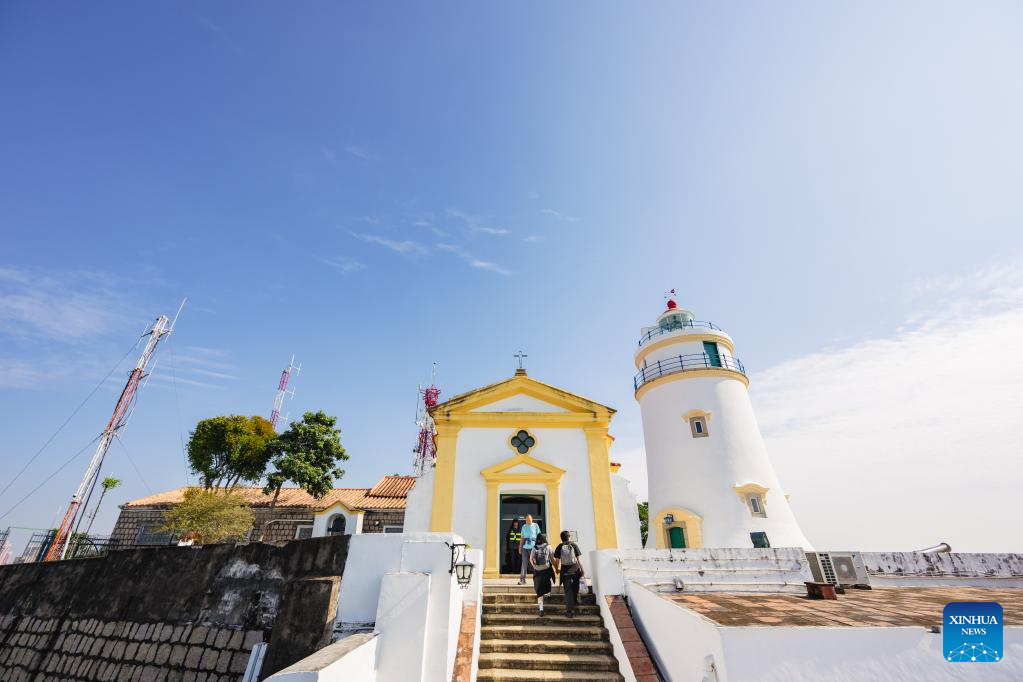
x: 542, y: 557
x: 568, y: 558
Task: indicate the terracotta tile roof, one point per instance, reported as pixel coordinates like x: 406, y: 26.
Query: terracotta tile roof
x: 353, y: 498
x: 880, y: 607
x: 393, y: 486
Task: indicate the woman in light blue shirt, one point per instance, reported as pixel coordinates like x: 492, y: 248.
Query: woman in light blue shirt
x: 529, y: 532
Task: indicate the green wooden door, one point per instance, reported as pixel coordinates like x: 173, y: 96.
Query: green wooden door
x: 677, y: 537
x: 713, y: 356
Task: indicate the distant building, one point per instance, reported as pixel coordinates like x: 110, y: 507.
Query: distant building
x: 297, y: 514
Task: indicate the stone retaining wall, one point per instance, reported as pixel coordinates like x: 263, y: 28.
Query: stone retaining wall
x: 171, y: 613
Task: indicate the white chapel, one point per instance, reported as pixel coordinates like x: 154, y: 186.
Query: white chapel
x: 519, y: 447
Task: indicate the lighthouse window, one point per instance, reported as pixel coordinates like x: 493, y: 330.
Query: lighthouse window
x: 756, y: 504
x: 698, y: 425
x: 760, y: 540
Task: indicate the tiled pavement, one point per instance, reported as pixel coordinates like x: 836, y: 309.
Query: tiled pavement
x: 882, y: 607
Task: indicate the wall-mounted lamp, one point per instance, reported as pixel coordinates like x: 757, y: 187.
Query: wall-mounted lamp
x: 669, y: 519
x: 460, y: 568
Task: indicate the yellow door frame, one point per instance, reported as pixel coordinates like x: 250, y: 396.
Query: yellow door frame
x: 495, y: 475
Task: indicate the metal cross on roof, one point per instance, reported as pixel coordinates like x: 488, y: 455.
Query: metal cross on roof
x: 520, y: 355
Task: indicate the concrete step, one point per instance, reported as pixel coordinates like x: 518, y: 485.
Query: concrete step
x: 527, y: 608
x: 546, y: 661
x: 549, y: 630
x: 554, y: 618
x: 516, y: 589
x: 546, y: 646
x: 503, y: 675
x: 530, y: 598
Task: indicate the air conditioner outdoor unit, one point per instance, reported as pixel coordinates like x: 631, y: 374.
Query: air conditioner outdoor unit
x: 838, y: 568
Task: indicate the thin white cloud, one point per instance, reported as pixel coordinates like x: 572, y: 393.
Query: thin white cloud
x: 343, y: 264
x: 329, y: 155
x: 474, y: 224
x: 473, y: 261
x: 559, y: 215
x: 405, y: 247
x: 360, y: 152
x: 533, y: 239
x: 901, y: 442
x: 63, y: 306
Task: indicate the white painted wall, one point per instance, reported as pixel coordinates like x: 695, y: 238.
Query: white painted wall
x: 520, y: 403
x: 854, y: 654
x: 353, y: 520
x: 687, y: 646
x: 350, y: 659
x: 478, y: 448
x: 419, y: 504
x: 700, y: 474
x: 626, y: 514
x: 684, y: 645
x: 402, y: 626
x: 372, y: 555
x: 946, y: 569
x: 703, y: 570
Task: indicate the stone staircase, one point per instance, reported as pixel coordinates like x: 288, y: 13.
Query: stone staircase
x: 517, y: 645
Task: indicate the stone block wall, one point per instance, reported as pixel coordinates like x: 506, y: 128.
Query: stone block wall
x: 375, y: 520
x: 169, y: 613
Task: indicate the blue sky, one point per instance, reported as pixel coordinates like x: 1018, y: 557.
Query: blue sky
x: 377, y: 188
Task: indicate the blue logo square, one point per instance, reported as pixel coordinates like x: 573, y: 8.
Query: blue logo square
x: 972, y: 632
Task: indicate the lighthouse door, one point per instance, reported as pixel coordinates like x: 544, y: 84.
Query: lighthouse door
x: 677, y: 537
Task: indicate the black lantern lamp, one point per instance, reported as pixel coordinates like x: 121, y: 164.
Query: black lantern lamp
x: 460, y: 568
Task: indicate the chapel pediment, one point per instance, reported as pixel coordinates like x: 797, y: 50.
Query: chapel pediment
x: 521, y: 394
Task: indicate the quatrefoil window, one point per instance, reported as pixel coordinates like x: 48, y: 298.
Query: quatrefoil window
x: 522, y: 442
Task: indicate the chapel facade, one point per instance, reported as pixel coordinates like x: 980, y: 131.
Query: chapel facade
x: 519, y: 447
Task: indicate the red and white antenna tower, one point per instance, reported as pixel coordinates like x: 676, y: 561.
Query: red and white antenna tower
x: 122, y: 411
x: 426, y: 450
x: 282, y: 390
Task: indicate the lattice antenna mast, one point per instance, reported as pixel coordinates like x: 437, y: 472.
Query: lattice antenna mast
x: 282, y: 390
x: 125, y: 404
x: 426, y: 450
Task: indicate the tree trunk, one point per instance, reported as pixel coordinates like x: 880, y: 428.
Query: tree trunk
x: 273, y: 503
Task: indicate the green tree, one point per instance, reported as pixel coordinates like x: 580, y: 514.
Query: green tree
x: 108, y: 483
x: 210, y: 516
x: 644, y: 520
x: 228, y: 449
x: 307, y: 454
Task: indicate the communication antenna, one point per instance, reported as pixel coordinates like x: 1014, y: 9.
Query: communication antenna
x: 425, y: 451
x: 122, y: 411
x: 282, y: 390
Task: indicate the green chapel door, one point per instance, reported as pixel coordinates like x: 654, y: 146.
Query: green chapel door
x: 710, y: 349
x: 677, y: 537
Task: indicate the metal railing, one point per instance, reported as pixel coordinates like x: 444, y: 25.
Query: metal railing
x: 686, y: 363
x: 677, y: 327
x: 80, y: 546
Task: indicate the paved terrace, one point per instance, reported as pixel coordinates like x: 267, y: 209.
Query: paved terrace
x: 883, y: 607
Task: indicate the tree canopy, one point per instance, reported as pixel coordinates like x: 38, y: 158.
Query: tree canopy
x: 209, y: 516
x: 308, y: 454
x: 644, y: 520
x: 226, y: 450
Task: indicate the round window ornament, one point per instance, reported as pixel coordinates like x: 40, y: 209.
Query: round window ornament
x: 522, y: 441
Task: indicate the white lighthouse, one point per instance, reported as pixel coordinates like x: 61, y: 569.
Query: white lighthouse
x: 711, y: 483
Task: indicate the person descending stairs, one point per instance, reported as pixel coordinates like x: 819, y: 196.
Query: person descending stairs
x: 517, y: 644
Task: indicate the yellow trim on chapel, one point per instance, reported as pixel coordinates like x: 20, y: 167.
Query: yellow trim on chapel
x: 688, y: 521
x: 597, y: 444
x: 445, y: 439
x: 495, y: 475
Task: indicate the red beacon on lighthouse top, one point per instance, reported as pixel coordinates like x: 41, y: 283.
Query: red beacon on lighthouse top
x: 670, y: 296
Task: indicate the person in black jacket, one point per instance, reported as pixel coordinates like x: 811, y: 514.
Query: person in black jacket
x: 513, y: 544
x: 569, y: 562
